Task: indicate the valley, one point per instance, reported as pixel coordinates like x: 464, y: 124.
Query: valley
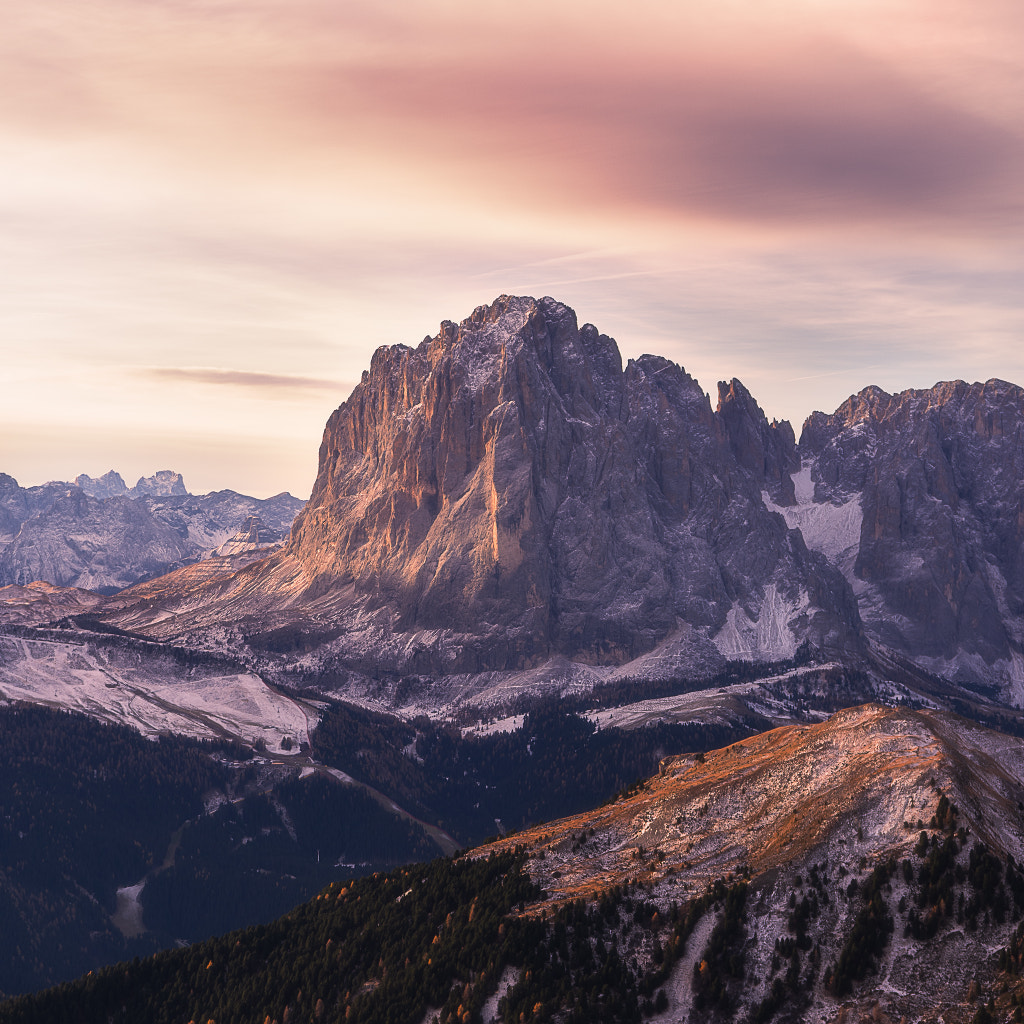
x: 865, y: 865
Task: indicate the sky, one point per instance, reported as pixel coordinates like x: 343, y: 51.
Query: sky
x: 213, y: 211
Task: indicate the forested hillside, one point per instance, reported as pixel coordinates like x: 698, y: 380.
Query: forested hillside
x: 381, y: 949
x: 84, y: 808
x: 252, y: 860
x: 87, y: 808
x: 554, y: 764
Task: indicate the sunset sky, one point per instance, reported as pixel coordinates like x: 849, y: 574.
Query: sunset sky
x: 213, y: 211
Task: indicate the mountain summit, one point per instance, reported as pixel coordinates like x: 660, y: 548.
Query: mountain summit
x: 507, y: 491
x: 511, y: 473
x: 935, y: 546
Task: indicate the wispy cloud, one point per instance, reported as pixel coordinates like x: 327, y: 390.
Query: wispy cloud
x: 244, y: 378
x: 758, y: 190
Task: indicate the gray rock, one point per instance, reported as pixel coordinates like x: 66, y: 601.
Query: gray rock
x: 940, y: 478
x: 163, y: 482
x: 509, y: 480
x: 102, y: 538
x: 110, y: 485
x: 81, y: 541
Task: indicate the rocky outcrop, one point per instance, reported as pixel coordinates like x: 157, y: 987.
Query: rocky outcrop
x: 110, y: 485
x: 818, y: 817
x: 510, y: 479
x: 938, y: 476
x: 766, y: 451
x: 162, y: 483
x: 250, y: 537
x: 20, y: 503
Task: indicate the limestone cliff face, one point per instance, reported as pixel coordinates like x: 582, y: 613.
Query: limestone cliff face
x: 766, y: 451
x: 939, y: 475
x: 510, y: 478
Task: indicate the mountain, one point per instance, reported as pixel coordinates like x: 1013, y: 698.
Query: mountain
x: 917, y: 499
x: 208, y: 520
x: 507, y: 493
x: 92, y: 544
x: 510, y: 480
x: 507, y: 509
x: 162, y: 483
x: 99, y: 534
x: 250, y: 537
x: 863, y: 868
x: 864, y: 842
x: 110, y: 485
x: 18, y: 504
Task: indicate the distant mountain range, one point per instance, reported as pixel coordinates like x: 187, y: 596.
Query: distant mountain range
x: 101, y: 535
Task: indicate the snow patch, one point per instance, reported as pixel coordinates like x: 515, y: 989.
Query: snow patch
x: 766, y: 638
x: 803, y: 485
x: 834, y: 530
x: 509, y: 724
x: 78, y: 677
x: 127, y: 918
x: 508, y: 979
x: 704, y: 706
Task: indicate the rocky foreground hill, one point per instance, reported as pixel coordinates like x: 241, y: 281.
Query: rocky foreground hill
x: 865, y: 868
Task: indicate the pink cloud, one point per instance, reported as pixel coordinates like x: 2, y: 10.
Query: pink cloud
x: 822, y: 134
x: 741, y: 123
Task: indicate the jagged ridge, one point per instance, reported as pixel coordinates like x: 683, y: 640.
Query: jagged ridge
x: 507, y: 491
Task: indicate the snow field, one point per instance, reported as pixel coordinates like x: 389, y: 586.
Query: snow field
x: 150, y: 698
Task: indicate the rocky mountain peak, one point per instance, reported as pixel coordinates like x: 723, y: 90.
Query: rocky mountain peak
x: 938, y: 475
x: 98, y: 533
x: 163, y: 482
x: 110, y: 485
x: 765, y: 450
x: 508, y: 478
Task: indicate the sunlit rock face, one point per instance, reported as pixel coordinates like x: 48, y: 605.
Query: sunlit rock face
x: 509, y: 479
x: 937, y: 557
x: 810, y: 811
